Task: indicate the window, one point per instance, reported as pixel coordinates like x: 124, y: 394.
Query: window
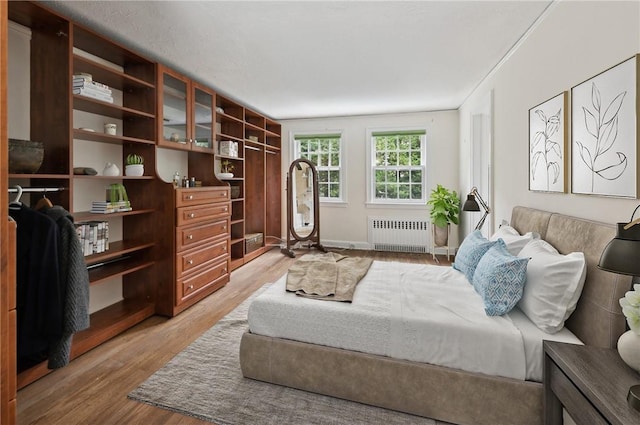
x: 324, y: 150
x: 398, y: 166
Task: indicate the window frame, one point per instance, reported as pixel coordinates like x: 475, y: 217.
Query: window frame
x: 371, y: 164
x: 295, y: 154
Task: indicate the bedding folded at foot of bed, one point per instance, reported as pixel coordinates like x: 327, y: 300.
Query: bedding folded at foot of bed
x: 328, y: 277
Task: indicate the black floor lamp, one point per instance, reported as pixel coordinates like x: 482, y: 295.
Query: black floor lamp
x: 471, y: 204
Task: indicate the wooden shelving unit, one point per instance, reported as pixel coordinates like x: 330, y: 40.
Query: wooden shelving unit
x: 54, y: 60
x: 149, y: 94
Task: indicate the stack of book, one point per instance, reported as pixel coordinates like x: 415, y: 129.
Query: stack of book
x: 94, y: 236
x: 106, y: 207
x: 84, y: 85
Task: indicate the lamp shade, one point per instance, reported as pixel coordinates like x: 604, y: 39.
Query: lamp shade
x: 471, y: 204
x: 622, y: 254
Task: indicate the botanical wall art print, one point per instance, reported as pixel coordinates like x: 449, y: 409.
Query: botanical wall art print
x: 604, y: 121
x: 548, y: 145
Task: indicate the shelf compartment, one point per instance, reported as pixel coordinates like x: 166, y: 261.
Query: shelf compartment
x: 132, y: 63
x: 105, y: 324
x: 109, y: 76
x: 94, y: 106
x: 87, y: 216
x: 119, y: 268
x: 92, y: 136
x: 117, y: 249
x: 109, y: 322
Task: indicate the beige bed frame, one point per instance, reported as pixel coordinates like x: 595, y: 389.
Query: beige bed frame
x: 442, y: 393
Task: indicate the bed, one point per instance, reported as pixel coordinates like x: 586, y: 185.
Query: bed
x: 450, y: 393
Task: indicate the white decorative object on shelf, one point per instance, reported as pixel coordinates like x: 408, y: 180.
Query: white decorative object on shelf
x: 134, y: 170
x: 110, y: 128
x: 223, y: 176
x: 110, y: 169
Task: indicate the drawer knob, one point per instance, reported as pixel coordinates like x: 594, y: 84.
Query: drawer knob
x: 189, y: 197
x: 224, y: 194
x: 224, y: 249
x: 192, y: 215
x: 190, y: 262
x: 224, y: 227
x: 224, y: 270
x: 226, y: 209
x: 189, y: 236
x: 190, y: 286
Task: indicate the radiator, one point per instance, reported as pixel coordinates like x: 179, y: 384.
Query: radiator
x: 399, y: 234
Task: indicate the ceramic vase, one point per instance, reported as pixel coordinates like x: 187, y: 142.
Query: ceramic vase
x: 629, y: 349
x: 111, y: 169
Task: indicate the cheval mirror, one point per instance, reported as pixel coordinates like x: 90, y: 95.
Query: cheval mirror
x: 303, y: 206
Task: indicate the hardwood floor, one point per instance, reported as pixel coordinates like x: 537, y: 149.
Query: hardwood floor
x: 93, y: 388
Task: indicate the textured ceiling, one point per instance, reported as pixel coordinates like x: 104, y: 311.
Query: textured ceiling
x: 297, y: 59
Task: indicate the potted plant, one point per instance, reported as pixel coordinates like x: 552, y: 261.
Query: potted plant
x: 134, y: 165
x: 226, y: 169
x: 445, y: 209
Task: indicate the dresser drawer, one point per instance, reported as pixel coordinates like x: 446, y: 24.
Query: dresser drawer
x: 199, y: 257
x: 200, y: 213
x: 190, y: 236
x: 191, y: 285
x: 204, y: 195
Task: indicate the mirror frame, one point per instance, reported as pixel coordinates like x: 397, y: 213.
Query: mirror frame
x: 292, y: 236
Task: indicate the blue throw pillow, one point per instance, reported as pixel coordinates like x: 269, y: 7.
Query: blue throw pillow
x: 499, y: 279
x: 471, y: 250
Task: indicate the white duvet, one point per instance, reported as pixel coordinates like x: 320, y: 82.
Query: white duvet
x: 416, y: 312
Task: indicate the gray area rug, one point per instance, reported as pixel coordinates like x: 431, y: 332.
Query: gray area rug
x: 205, y: 381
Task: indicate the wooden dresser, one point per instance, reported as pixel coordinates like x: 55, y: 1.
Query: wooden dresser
x: 202, y: 243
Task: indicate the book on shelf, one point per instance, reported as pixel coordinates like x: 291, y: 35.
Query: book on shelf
x: 92, y: 85
x: 93, y: 95
x: 106, y: 207
x: 93, y: 236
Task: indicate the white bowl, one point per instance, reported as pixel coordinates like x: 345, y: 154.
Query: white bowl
x: 223, y: 176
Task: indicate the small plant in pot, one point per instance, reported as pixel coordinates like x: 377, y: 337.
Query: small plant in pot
x: 134, y: 165
x: 226, y: 169
x: 445, y: 209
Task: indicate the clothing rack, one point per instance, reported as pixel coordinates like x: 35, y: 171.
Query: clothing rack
x: 18, y: 189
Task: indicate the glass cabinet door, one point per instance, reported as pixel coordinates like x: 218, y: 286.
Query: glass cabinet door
x: 174, y: 110
x: 203, y: 123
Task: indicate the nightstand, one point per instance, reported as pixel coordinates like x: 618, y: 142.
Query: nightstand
x: 590, y: 383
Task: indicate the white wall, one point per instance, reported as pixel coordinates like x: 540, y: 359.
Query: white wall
x: 574, y: 41
x: 347, y: 225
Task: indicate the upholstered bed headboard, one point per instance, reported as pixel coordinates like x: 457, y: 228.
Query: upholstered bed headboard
x: 598, y: 318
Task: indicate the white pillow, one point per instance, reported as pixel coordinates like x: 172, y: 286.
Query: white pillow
x: 514, y: 241
x: 554, y: 284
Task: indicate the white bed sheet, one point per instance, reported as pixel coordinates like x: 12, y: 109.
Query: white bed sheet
x: 416, y: 312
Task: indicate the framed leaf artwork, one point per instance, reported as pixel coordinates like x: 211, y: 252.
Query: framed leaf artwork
x: 548, y: 145
x: 604, y: 133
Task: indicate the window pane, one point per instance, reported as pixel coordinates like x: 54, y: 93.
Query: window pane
x: 323, y: 176
x: 404, y: 176
x: 405, y: 143
x: 392, y: 191
x: 324, y: 160
x: 391, y: 176
x: 416, y: 191
x: 323, y: 190
x: 334, y: 160
x: 404, y: 159
x: 334, y: 190
x: 392, y: 158
x: 404, y: 191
